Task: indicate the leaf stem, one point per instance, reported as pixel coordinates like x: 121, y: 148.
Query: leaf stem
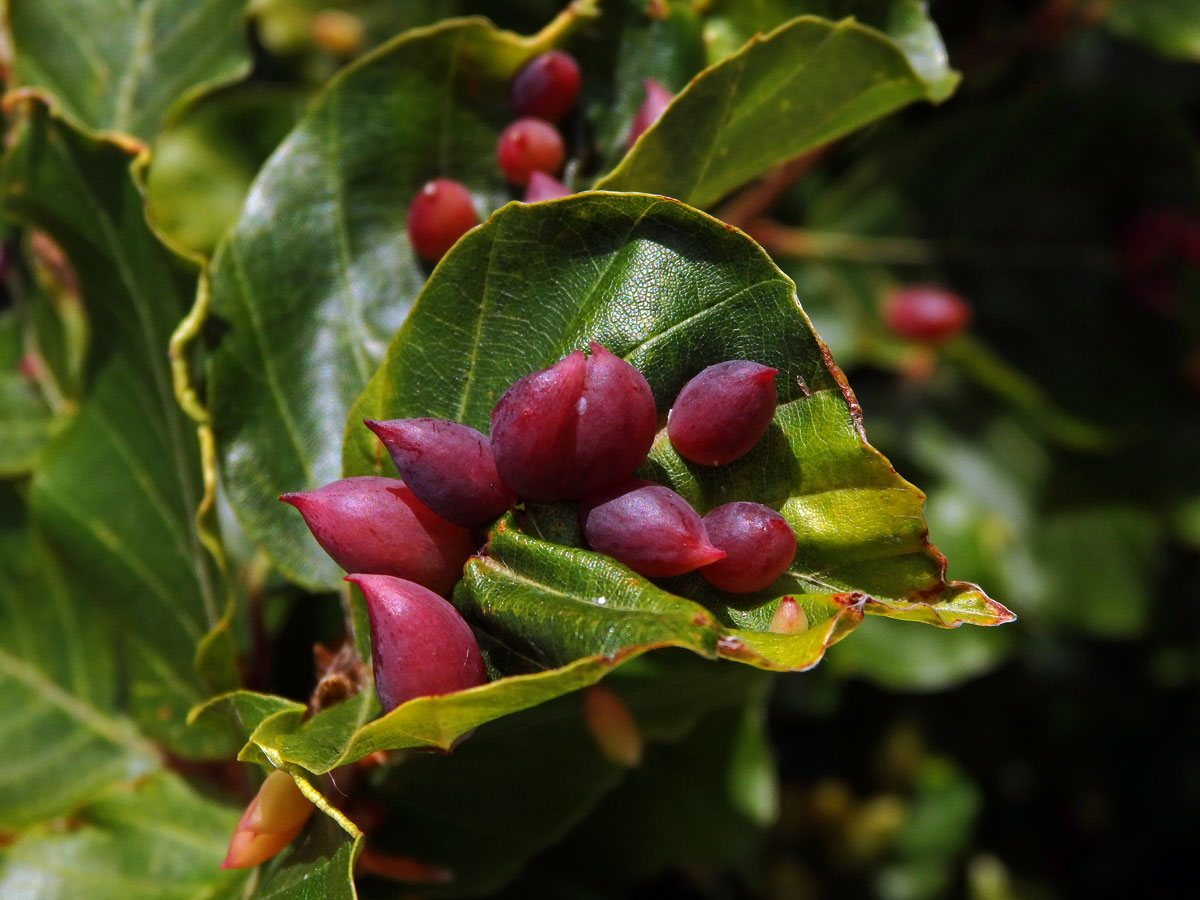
x: 565, y: 22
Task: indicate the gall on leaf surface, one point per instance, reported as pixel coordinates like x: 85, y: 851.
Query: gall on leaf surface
x: 432, y: 103
x: 672, y: 291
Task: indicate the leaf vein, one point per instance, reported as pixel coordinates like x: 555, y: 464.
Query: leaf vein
x: 268, y: 361
x: 116, y: 731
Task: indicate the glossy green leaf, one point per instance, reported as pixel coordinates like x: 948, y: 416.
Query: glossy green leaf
x: 906, y: 22
x: 1172, y: 27
x: 116, y: 492
x: 122, y: 65
x: 804, y: 84
x: 251, y: 714
x: 662, y: 284
x: 317, y: 273
x: 859, y: 526
x: 828, y: 618
x: 672, y: 290
x: 277, y: 734
x: 156, y: 840
x: 85, y: 807
x: 59, y: 687
x: 554, y: 604
x: 354, y: 728
x: 544, y: 733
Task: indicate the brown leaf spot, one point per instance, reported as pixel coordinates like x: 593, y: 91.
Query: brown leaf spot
x: 847, y: 392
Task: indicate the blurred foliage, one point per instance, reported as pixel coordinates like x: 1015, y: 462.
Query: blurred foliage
x: 1057, y: 443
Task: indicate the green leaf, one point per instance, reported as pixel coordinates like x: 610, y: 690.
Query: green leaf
x: 156, y: 840
x: 473, y: 812
x: 203, y: 162
x: 828, y: 618
x: 906, y: 22
x: 116, y: 492
x: 668, y: 693
x: 668, y: 287
x: 672, y: 290
x: 804, y: 84
x: 123, y: 66
x: 353, y: 729
x: 859, y: 526
x: 554, y: 604
x: 85, y: 807
x: 253, y: 714
x: 1172, y: 27
x: 320, y: 866
x: 317, y: 273
x: 276, y: 735
x: 631, y: 42
x: 59, y: 687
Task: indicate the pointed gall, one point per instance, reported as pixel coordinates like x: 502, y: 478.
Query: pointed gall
x: 274, y: 817
x: 722, y: 412
x: 612, y: 725
x: 789, y: 618
x: 649, y: 528
x: 420, y: 645
x: 449, y: 466
x: 658, y: 98
x: 378, y: 526
x: 544, y: 187
x: 758, y: 543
